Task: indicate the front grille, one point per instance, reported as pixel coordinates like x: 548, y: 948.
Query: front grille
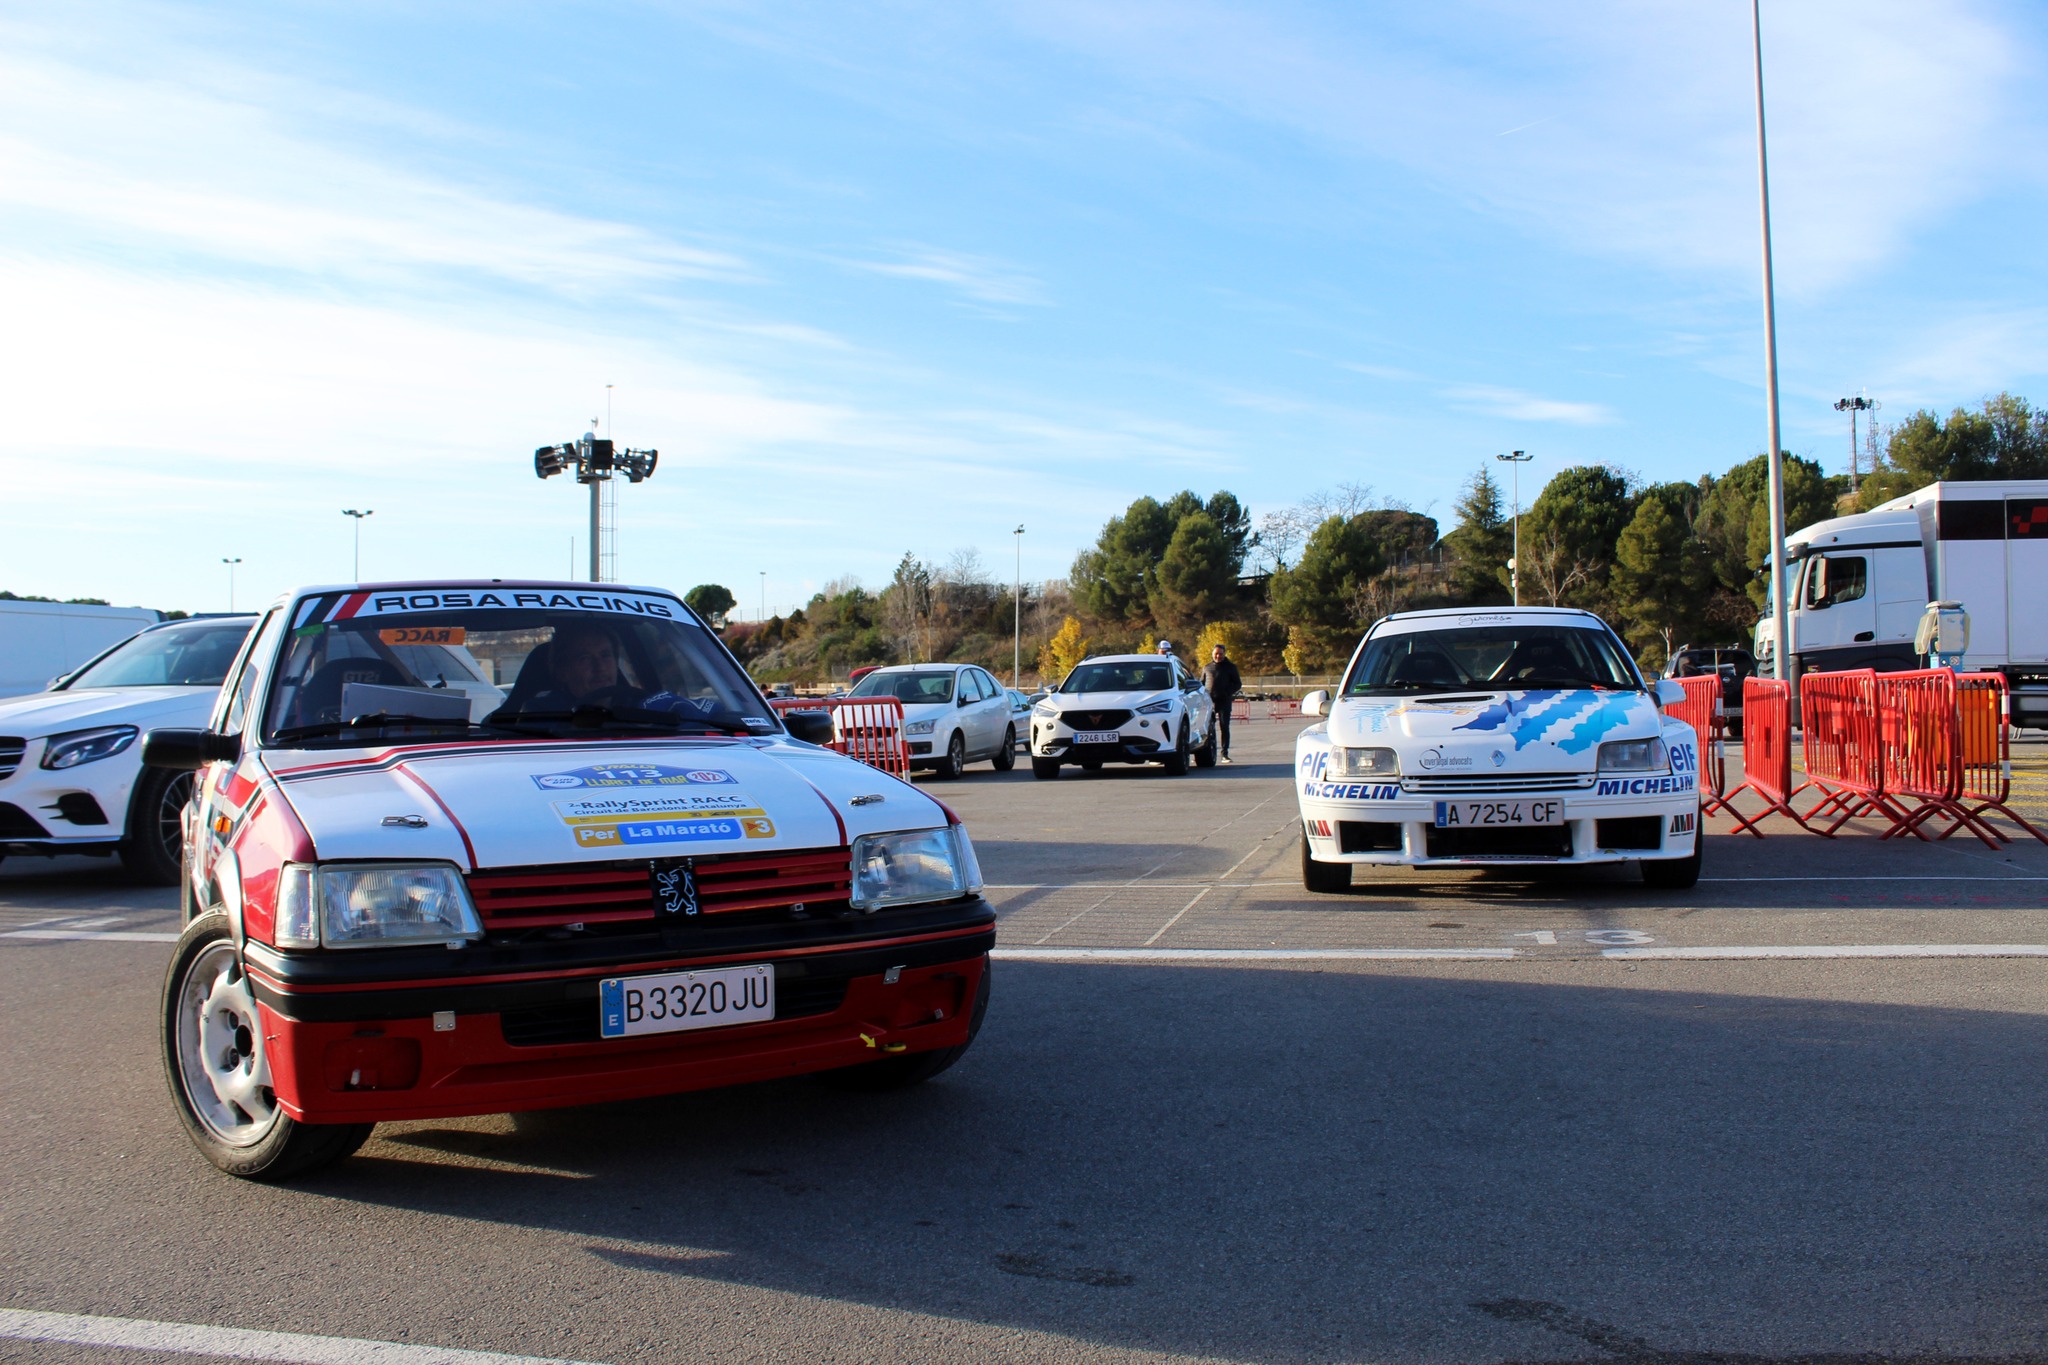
x: 1634, y: 832
x: 575, y: 1021
x: 1538, y: 841
x: 1368, y: 836
x: 1095, y: 720
x: 16, y: 823
x: 605, y: 893
x: 11, y: 748
x: 1500, y: 782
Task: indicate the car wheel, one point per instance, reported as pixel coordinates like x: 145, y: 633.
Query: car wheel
x: 1205, y: 757
x: 1326, y: 879
x: 893, y: 1073
x: 1045, y: 767
x: 1006, y: 757
x: 153, y: 849
x: 1177, y: 761
x: 219, y: 1067
x: 955, y: 762
x: 1676, y: 874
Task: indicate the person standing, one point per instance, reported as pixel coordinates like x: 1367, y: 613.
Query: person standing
x: 1221, y: 680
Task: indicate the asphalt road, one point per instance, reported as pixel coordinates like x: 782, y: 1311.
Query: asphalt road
x: 1465, y: 1117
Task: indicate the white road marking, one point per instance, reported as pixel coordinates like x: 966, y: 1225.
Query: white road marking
x: 237, y: 1343
x: 116, y: 935
x: 1176, y: 918
x: 1901, y: 950
x: 1200, y: 956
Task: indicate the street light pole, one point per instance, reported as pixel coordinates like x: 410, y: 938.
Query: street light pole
x: 358, y: 517
x: 1017, y: 602
x: 231, y: 581
x: 764, y: 595
x: 1517, y: 460
x: 1781, y: 647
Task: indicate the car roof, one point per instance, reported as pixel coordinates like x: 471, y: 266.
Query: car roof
x: 907, y: 668
x: 1129, y: 658
x: 1402, y: 622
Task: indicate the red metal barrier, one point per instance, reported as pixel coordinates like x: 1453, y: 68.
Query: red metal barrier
x: 1701, y: 709
x: 1984, y: 756
x: 1922, y: 748
x: 1240, y: 708
x: 866, y: 728
x: 1766, y: 754
x: 1282, y: 707
x: 1844, y: 748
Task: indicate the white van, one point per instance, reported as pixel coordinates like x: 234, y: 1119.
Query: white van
x: 42, y: 641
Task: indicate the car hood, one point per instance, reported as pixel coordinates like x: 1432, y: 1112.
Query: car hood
x: 47, y: 713
x: 1107, y: 701
x: 1543, y: 730
x: 511, y: 805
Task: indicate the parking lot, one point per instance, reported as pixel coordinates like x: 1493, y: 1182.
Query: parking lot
x: 1795, y: 1113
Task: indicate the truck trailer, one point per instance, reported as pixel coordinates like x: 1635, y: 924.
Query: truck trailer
x: 1859, y: 585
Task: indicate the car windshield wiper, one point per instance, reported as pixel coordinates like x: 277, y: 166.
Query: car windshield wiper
x: 382, y: 720
x: 592, y: 717
x: 1410, y: 690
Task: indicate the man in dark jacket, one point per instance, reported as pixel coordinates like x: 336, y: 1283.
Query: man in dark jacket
x: 1220, y: 678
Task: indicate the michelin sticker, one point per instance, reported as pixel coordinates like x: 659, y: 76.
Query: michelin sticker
x: 608, y: 777
x: 1352, y: 791
x: 1644, y: 786
x: 682, y: 817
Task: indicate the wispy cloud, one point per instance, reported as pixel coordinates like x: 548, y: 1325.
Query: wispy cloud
x: 1529, y: 407
x: 981, y: 279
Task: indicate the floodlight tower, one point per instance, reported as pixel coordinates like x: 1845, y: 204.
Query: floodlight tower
x: 595, y: 463
x: 1852, y: 406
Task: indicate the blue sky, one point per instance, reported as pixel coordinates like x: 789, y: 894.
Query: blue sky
x: 898, y: 277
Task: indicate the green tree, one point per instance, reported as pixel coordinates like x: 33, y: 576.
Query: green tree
x: 2005, y: 438
x: 710, y: 600
x: 1197, y: 575
x: 1810, y: 496
x: 1661, y: 573
x: 1114, y: 579
x: 1568, y: 535
x: 1235, y: 522
x: 1480, y: 543
x: 1322, y: 598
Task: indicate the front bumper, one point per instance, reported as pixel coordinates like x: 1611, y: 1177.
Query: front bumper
x: 345, y: 1048
x: 71, y: 810
x: 1142, y: 739
x: 1386, y: 825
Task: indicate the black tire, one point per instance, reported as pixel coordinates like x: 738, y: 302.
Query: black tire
x: 1177, y: 762
x: 203, y: 991
x: 893, y: 1073
x: 1325, y: 879
x: 1678, y: 874
x: 1045, y: 768
x: 954, y: 764
x: 1006, y: 757
x: 153, y: 845
x: 1205, y: 757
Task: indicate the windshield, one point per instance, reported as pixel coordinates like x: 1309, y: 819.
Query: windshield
x: 920, y: 687
x: 195, y: 655
x: 1488, y: 658
x: 544, y: 662
x: 1133, y: 676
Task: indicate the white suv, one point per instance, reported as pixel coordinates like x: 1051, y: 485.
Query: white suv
x: 1124, y: 708
x: 71, y: 774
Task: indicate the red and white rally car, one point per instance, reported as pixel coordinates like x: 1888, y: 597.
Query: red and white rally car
x: 464, y: 848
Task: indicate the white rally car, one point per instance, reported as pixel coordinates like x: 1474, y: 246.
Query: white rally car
x: 1476, y: 737
x: 1124, y: 708
x: 467, y: 848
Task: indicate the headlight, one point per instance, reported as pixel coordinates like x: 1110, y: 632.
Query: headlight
x: 1633, y: 756
x: 369, y: 905
x: 1364, y: 763
x: 1045, y: 708
x: 919, y: 727
x: 86, y: 746
x: 1156, y: 708
x: 921, y: 865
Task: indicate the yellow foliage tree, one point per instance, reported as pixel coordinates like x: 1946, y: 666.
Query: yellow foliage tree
x: 1065, y: 649
x: 1148, y: 645
x: 1232, y: 635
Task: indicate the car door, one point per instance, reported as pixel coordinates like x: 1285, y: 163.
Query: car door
x: 991, y: 713
x: 1201, y: 713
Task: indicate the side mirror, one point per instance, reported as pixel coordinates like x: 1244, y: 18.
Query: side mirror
x: 1316, y: 703
x: 185, y: 750
x: 812, y: 727
x: 1670, y: 692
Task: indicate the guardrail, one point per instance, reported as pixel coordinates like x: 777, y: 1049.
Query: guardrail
x: 869, y: 729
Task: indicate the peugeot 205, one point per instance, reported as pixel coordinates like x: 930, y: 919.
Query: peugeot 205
x: 1521, y: 736
x: 599, y: 868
